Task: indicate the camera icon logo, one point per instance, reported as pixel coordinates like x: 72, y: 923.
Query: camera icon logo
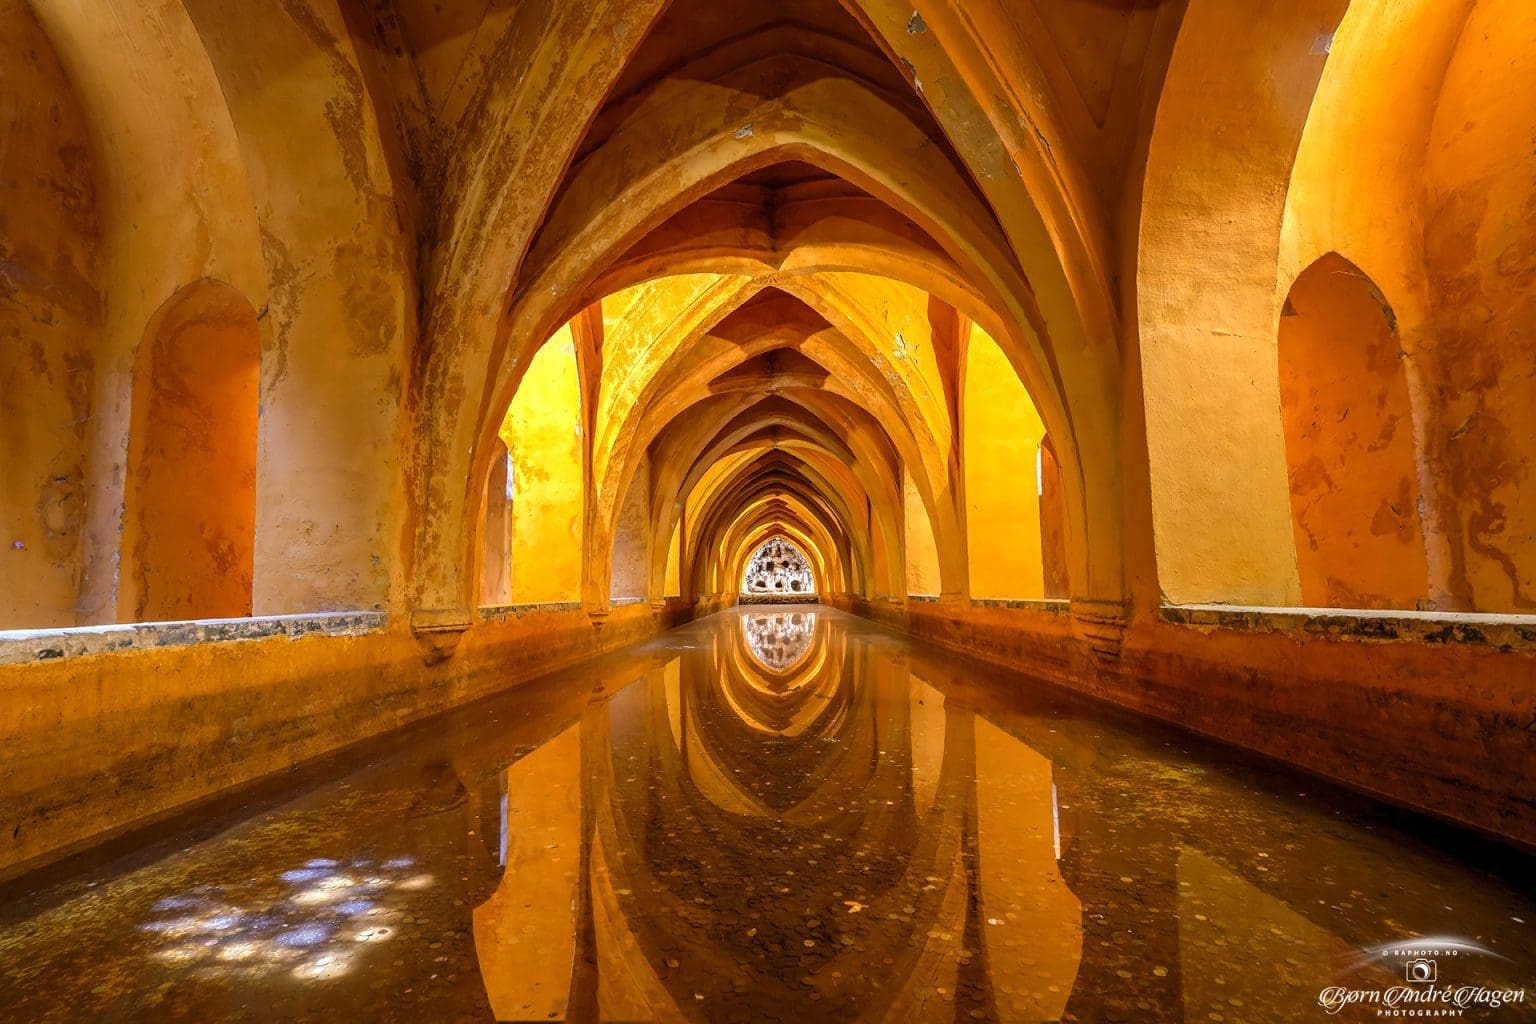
x: 1421, y: 971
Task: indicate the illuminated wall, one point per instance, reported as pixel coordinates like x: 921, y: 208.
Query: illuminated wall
x: 543, y: 432
x: 1002, y: 435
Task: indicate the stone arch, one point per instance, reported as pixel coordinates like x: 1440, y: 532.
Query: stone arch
x: 844, y: 494
x: 755, y: 495
x: 1215, y: 181
x: 1349, y: 440
x: 189, y: 533
x: 578, y: 240
x: 176, y: 206
x: 862, y: 371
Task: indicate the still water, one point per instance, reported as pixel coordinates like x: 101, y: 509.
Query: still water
x: 786, y: 815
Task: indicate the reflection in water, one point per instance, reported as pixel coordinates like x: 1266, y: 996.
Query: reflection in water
x: 324, y: 909
x: 779, y: 639
x: 778, y: 817
x: 891, y: 857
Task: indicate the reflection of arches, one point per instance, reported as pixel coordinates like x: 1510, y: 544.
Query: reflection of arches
x: 190, y: 526
x: 778, y: 568
x: 1349, y: 443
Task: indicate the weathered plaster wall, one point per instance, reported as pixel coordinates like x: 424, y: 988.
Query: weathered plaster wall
x: 1357, y: 189
x: 174, y: 206
x: 99, y: 742
x: 1480, y: 251
x: 340, y: 289
x: 50, y: 318
x: 1349, y: 436
x: 631, y: 538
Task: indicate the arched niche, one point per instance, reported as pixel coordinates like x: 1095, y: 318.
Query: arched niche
x: 1349, y: 443
x: 672, y: 578
x: 189, y: 530
x: 496, y: 531
x: 922, y: 550
x: 631, y: 549
x: 778, y: 570
x: 1053, y: 522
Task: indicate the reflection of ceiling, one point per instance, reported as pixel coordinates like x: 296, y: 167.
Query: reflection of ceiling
x: 752, y: 877
x: 779, y: 639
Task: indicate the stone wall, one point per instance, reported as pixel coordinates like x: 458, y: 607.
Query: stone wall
x: 112, y: 728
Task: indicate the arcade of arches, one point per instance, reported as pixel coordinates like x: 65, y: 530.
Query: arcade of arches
x: 1182, y: 352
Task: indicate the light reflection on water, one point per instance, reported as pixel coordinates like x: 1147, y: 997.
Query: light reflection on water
x: 310, y: 927
x: 778, y: 815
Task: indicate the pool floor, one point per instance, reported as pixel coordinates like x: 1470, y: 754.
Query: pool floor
x: 789, y: 815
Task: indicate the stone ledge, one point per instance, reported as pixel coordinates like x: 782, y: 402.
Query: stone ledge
x: 25, y: 645
x: 499, y: 612
x: 1505, y: 632
x: 786, y: 599
x: 1033, y: 604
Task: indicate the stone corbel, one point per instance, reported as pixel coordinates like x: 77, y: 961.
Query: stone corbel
x: 1100, y: 625
x: 438, y: 630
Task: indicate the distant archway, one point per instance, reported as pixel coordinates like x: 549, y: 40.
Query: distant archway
x: 189, y: 533
x: 778, y: 571
x: 1349, y: 443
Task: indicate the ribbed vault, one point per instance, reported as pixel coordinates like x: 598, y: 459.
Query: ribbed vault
x: 771, y: 250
